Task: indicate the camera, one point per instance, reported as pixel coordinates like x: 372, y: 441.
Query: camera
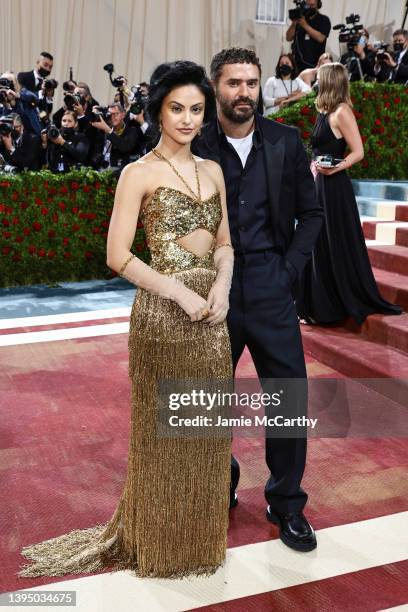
x: 381, y: 55
x: 5, y: 167
x: 301, y: 10
x: 53, y: 131
x: 350, y: 33
x: 117, y: 81
x: 50, y: 84
x: 6, y: 83
x: 101, y: 112
x: 71, y: 100
x: 6, y: 126
x: 138, y: 101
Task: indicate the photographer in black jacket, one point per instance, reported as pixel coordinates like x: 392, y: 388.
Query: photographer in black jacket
x: 67, y: 147
x: 309, y: 34
x: 121, y: 140
x: 20, y: 148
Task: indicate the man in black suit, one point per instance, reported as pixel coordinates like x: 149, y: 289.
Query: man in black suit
x: 33, y: 79
x: 21, y: 148
x: 269, y: 187
x: 394, y: 66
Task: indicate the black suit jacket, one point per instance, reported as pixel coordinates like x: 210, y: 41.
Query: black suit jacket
x: 400, y: 73
x: 28, y: 155
x: 291, y: 188
x: 27, y: 80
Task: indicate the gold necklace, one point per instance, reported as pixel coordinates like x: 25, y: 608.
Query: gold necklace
x: 161, y: 156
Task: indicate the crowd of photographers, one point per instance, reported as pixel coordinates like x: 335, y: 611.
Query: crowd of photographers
x: 35, y: 135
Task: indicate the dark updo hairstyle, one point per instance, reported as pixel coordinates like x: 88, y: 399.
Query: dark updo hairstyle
x: 167, y: 77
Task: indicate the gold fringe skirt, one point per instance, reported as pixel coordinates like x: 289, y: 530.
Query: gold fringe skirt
x: 172, y: 517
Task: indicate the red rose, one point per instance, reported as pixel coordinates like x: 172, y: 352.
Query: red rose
x: 305, y: 134
x: 280, y: 120
x: 86, y: 188
x: 4, y: 184
x: 8, y: 210
x: 397, y: 100
x: 74, y: 185
x: 88, y: 254
x: 364, y: 163
x: 41, y: 252
x: 14, y: 196
x: 91, y: 216
x: 16, y: 257
x: 5, y: 222
x: 37, y: 226
x: 51, y: 254
x: 55, y: 217
x: 64, y: 189
x: 65, y: 240
x: 76, y: 227
x: 105, y: 223
x: 16, y: 220
x: 26, y: 231
x: 2, y: 208
x: 387, y: 105
x: 74, y: 209
x: 305, y: 110
x: 23, y: 205
x: 377, y: 122
x: 32, y: 249
x: 7, y: 235
x: 51, y: 234
x: 19, y: 239
x: 366, y: 95
x: 97, y: 185
x: 82, y: 238
x: 44, y: 211
x: 6, y: 250
x: 67, y: 254
x: 38, y: 201
x: 96, y: 230
x: 62, y: 205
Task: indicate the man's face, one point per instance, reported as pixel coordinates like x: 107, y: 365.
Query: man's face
x: 116, y: 117
x: 79, y: 91
x: 400, y: 39
x: 237, y: 91
x: 312, y: 4
x: 17, y: 129
x: 44, y: 64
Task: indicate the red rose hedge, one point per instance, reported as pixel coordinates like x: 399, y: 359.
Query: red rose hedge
x: 381, y: 110
x: 53, y: 228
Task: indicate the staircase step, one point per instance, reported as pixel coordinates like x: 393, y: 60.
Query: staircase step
x: 388, y: 190
x: 386, y: 210
x: 390, y: 258
x: 386, y: 330
x: 402, y: 236
x: 352, y: 354
x: 393, y: 287
x: 383, y: 231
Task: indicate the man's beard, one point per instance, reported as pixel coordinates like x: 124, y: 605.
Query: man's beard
x: 241, y: 115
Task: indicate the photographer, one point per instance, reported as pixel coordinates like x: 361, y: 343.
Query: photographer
x: 309, y: 33
x: 20, y: 101
x: 66, y: 147
x: 46, y: 96
x: 32, y: 80
x: 394, y: 66
x: 121, y: 139
x: 18, y: 147
x: 360, y: 58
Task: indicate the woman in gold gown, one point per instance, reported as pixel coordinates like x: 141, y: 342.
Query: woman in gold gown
x: 172, y: 517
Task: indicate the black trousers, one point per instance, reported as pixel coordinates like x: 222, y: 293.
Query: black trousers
x: 263, y: 317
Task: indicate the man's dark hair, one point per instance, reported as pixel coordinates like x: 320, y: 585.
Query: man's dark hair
x: 143, y: 84
x: 233, y: 55
x: 47, y: 55
x: 401, y: 32
x: 168, y: 76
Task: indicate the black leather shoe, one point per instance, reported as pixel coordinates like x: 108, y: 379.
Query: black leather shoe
x: 233, y: 499
x: 294, y: 530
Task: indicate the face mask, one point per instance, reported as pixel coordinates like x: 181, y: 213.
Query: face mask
x: 43, y: 72
x: 68, y: 132
x: 398, y: 46
x: 310, y: 12
x: 285, y: 70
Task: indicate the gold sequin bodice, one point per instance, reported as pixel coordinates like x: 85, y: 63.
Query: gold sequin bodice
x: 171, y: 214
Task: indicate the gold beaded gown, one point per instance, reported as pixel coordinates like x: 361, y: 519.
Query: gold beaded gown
x: 172, y: 517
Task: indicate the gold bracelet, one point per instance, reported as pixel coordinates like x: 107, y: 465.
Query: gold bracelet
x: 125, y: 264
x: 222, y: 245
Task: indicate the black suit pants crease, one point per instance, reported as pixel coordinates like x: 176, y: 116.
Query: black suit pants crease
x: 263, y: 317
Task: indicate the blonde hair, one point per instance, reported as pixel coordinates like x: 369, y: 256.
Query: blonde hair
x: 334, y: 87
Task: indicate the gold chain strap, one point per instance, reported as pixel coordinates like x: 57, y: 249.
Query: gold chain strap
x: 161, y: 156
x: 120, y: 273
